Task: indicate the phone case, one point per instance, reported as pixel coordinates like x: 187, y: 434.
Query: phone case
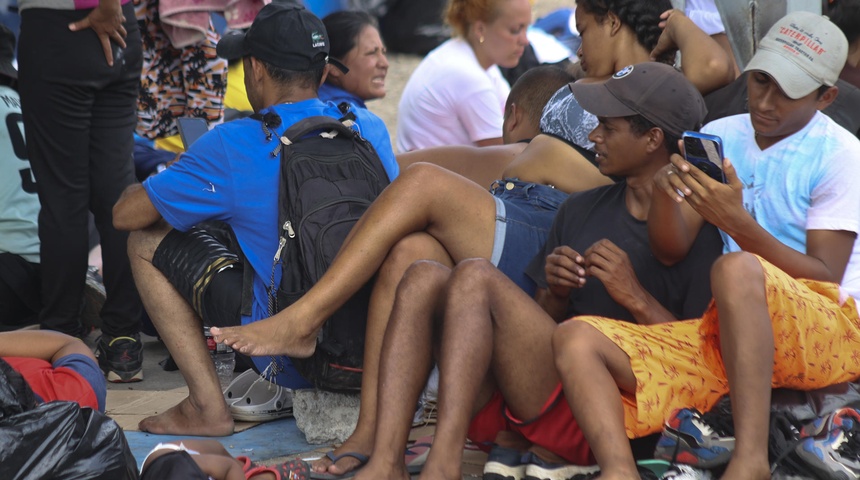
x: 705, y: 152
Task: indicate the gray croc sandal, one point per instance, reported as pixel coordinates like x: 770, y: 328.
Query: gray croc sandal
x: 264, y: 401
x: 240, y: 385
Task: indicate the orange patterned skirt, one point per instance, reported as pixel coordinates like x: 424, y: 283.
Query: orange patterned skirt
x: 678, y: 364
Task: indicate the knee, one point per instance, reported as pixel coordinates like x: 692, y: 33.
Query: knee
x: 408, y: 250
x: 414, y: 186
x: 143, y: 243
x: 472, y: 277
x: 423, y: 277
x: 737, y: 274
x: 420, y: 172
x: 415, y: 177
x: 573, y: 341
x: 136, y: 242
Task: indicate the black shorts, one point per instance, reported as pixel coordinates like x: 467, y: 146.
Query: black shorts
x: 205, y: 265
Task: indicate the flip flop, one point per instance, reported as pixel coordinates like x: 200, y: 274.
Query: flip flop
x: 247, y: 464
x: 416, y: 454
x: 297, y: 469
x: 362, y: 460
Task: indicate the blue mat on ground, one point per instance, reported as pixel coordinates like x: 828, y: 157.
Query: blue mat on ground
x: 268, y: 440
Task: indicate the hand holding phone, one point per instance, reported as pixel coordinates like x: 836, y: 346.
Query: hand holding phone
x: 705, y: 152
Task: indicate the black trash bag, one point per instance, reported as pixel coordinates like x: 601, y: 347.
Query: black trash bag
x: 61, y: 440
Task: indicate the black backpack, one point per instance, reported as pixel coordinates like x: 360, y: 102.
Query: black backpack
x: 329, y: 176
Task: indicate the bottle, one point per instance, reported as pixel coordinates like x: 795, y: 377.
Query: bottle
x: 223, y: 357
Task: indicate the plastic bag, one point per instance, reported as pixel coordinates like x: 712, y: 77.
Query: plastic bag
x: 61, y: 440
x: 806, y: 405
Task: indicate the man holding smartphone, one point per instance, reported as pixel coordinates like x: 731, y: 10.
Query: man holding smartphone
x: 596, y: 261
x: 783, y: 313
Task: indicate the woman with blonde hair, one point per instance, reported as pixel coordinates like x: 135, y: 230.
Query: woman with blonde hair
x: 456, y: 96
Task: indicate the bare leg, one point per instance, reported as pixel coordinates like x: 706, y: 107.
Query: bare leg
x: 407, y: 354
x: 417, y: 246
x: 494, y: 335
x: 457, y: 212
x: 204, y: 412
x: 747, y: 346
x: 592, y: 370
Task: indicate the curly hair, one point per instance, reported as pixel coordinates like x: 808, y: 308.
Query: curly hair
x: 460, y: 14
x: 643, y: 17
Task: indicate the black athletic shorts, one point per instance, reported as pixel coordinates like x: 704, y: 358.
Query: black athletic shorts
x: 204, y: 264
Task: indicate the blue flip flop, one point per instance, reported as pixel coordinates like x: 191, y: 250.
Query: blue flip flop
x: 362, y: 460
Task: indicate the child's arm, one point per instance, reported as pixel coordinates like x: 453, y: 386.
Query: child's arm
x: 44, y: 344
x: 219, y: 467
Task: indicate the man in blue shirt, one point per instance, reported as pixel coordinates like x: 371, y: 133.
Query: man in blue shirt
x: 213, y: 214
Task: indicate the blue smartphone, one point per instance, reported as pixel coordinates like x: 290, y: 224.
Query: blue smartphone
x: 705, y: 152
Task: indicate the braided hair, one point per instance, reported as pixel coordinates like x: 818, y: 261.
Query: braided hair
x: 643, y: 17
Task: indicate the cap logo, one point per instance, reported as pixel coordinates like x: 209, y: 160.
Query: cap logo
x: 317, y: 39
x: 798, y: 38
x: 623, y: 72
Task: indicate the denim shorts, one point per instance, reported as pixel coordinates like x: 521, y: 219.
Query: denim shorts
x: 524, y: 215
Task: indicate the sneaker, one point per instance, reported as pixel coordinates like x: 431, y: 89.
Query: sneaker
x: 831, y: 445
x: 693, y: 438
x: 120, y: 358
x: 94, y: 299
x: 538, y: 469
x: 505, y: 464
x: 686, y: 472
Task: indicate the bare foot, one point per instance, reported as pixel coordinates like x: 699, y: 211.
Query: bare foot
x: 185, y: 418
x: 277, y: 335
x: 379, y: 471
x: 739, y: 470
x: 347, y: 463
x: 618, y: 474
x: 436, y: 471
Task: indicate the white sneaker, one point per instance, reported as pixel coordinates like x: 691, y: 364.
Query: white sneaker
x: 686, y: 472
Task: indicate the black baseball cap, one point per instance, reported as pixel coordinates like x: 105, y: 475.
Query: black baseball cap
x: 283, y: 34
x: 7, y: 53
x: 656, y: 91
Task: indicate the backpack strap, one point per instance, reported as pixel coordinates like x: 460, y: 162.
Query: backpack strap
x: 315, y: 123
x: 348, y: 117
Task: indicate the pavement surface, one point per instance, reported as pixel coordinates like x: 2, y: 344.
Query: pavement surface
x: 267, y: 443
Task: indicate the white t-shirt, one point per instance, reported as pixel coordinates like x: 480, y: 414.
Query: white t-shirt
x: 705, y: 15
x: 451, y: 100
x: 19, y: 204
x: 807, y: 181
